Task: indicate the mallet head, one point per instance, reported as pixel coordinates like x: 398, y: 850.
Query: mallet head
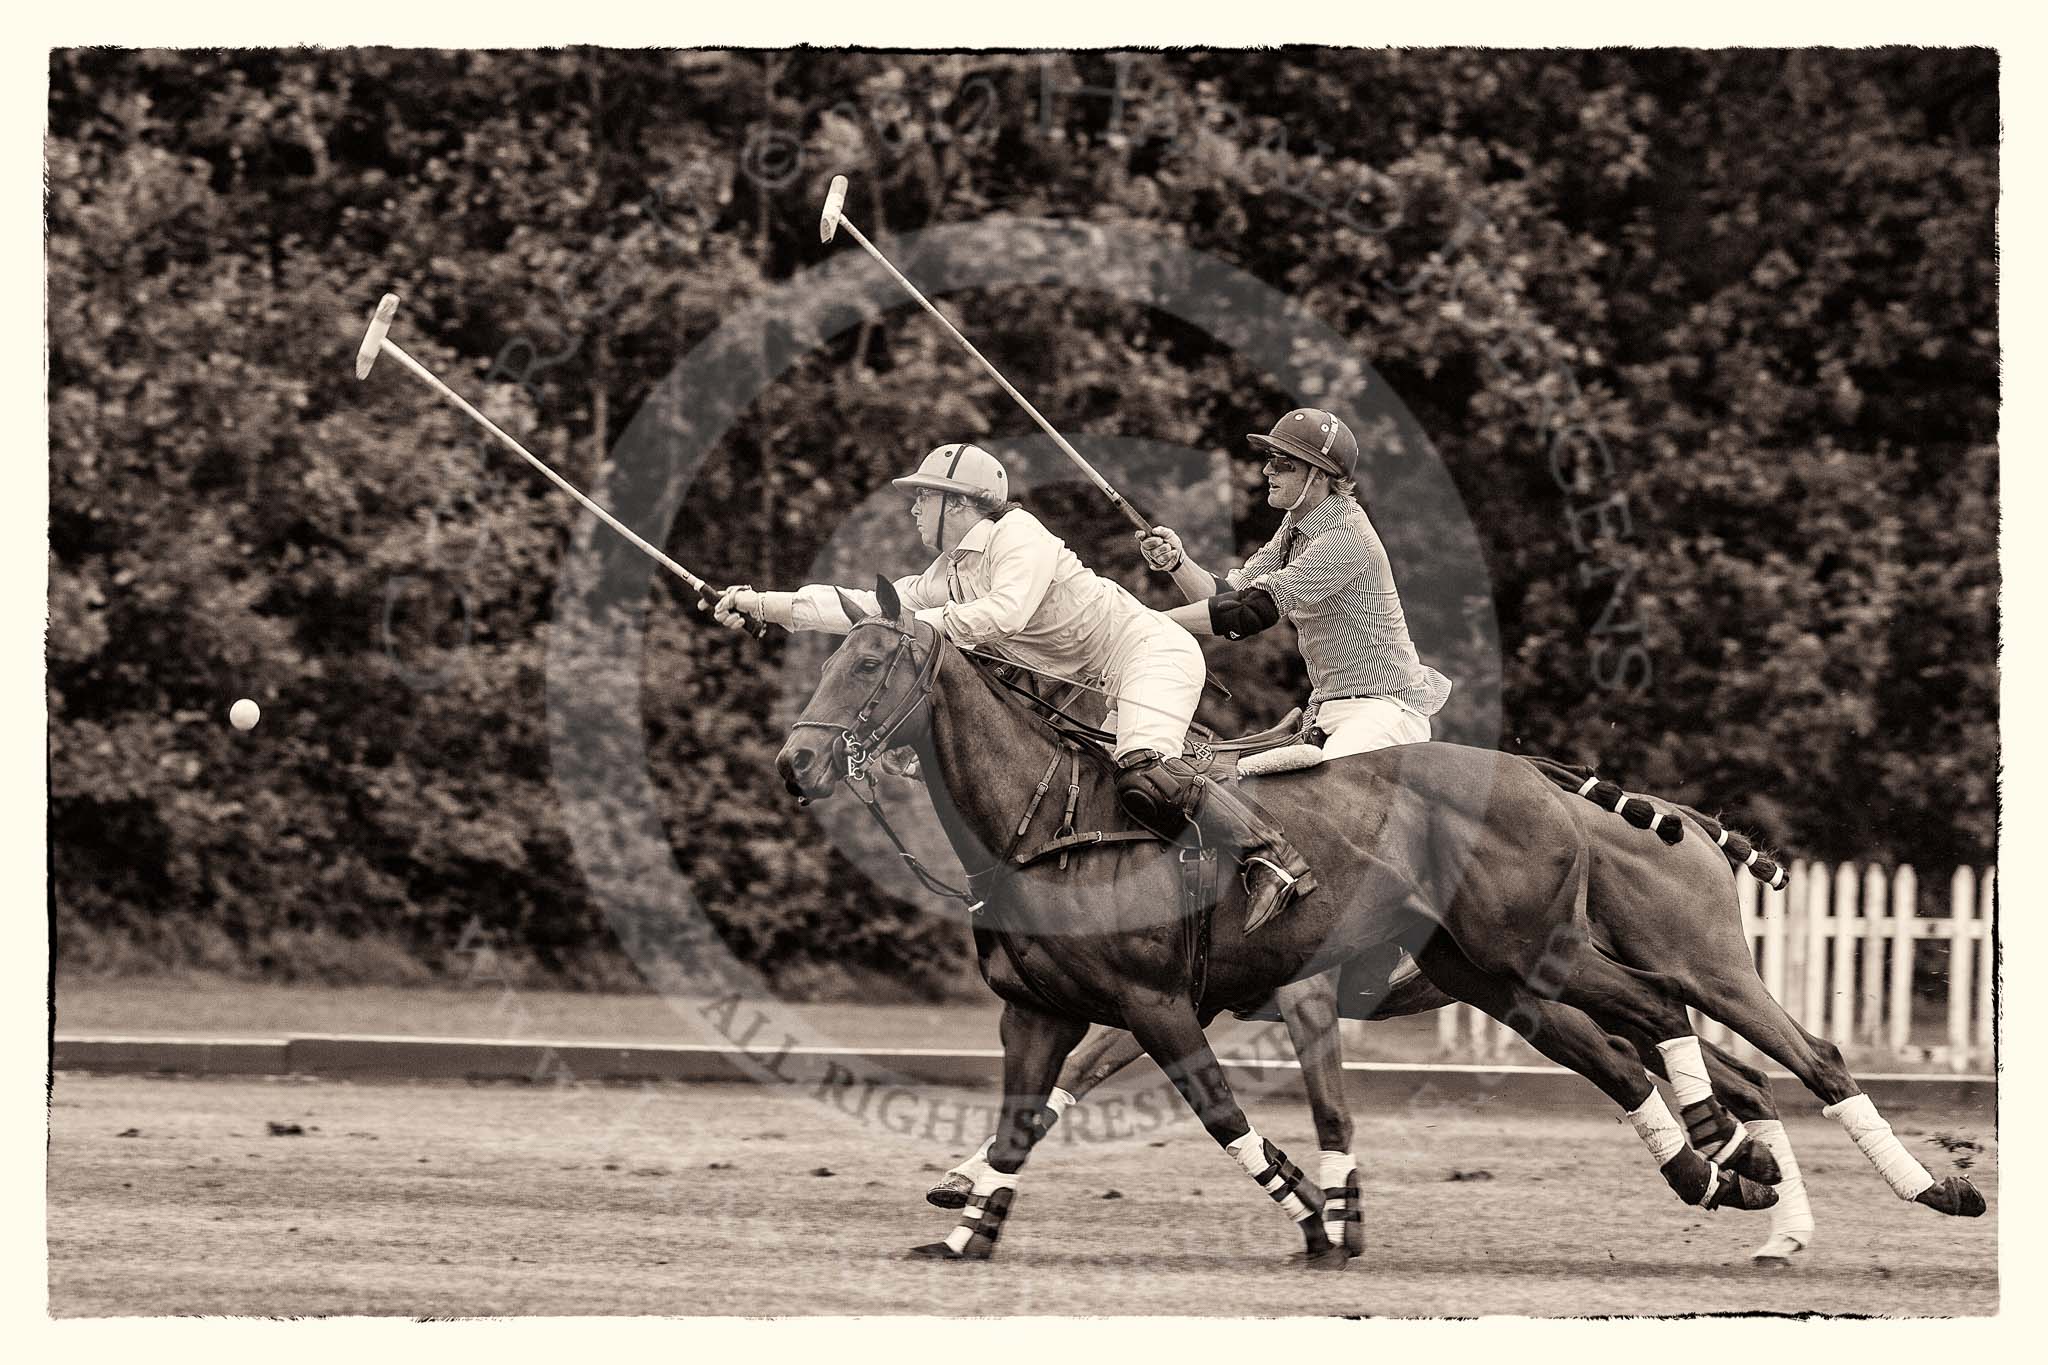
x: 373, y: 340
x: 835, y: 204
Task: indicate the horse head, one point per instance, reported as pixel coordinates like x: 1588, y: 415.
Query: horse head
x: 874, y: 693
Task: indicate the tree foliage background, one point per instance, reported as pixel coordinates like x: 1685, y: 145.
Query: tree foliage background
x: 1707, y: 341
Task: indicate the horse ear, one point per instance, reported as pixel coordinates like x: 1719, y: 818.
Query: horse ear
x: 854, y: 614
x: 885, y: 591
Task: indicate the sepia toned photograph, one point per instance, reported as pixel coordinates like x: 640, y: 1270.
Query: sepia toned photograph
x: 1224, y: 682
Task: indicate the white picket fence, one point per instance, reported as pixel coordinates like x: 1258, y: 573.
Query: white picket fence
x: 1837, y: 948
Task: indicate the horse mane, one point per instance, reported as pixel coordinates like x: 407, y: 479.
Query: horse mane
x: 1032, y: 708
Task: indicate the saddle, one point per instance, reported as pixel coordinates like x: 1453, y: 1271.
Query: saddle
x: 1285, y: 747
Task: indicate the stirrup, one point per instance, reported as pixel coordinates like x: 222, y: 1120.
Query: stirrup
x: 1287, y: 879
x: 1279, y: 900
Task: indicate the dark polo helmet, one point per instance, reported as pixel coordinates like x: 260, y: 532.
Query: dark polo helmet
x: 1319, y: 437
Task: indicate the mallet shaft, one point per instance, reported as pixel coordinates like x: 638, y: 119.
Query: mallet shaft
x: 1101, y: 483
x: 398, y: 353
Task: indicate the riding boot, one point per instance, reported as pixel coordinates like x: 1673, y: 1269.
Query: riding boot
x: 1274, y: 872
x: 1165, y: 795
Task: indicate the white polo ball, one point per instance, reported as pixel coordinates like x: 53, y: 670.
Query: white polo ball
x: 244, y: 714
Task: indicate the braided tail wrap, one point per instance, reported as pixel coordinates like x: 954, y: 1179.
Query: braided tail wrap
x: 1670, y: 829
x: 1610, y: 797
x: 1743, y: 853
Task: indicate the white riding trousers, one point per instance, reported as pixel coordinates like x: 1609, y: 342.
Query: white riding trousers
x: 1358, y: 725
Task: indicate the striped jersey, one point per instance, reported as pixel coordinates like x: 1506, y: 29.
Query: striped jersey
x: 1328, y: 573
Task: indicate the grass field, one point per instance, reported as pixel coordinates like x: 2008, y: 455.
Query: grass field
x: 177, y: 1197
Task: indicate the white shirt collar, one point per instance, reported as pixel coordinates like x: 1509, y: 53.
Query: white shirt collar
x: 977, y: 538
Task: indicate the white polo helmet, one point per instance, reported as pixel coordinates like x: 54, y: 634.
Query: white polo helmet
x: 961, y: 468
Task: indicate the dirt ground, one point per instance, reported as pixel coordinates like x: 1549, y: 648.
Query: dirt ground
x: 178, y: 1196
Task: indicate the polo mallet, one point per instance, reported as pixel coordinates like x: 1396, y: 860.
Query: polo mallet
x: 377, y: 341
x: 835, y: 218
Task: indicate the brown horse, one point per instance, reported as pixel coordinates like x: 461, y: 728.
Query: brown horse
x: 1629, y: 871
x: 1647, y: 904
x: 1465, y: 852
x: 1310, y: 1010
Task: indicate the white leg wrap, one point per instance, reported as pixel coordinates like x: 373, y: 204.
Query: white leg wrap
x: 977, y: 1165
x: 974, y: 1167
x: 1658, y: 1130
x: 1687, y: 1070
x: 1792, y: 1214
x: 1873, y: 1137
x: 1334, y: 1168
x: 1249, y: 1152
x: 985, y: 1185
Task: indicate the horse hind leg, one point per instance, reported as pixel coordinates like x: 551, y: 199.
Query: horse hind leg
x: 1570, y: 1038
x: 1174, y: 1038
x: 1034, y: 1045
x: 1723, y: 1133
x: 1309, y: 1009
x: 1736, y: 997
x: 1747, y: 1092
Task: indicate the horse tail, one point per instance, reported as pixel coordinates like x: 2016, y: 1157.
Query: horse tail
x: 1610, y: 797
x: 1740, y: 851
x: 1743, y: 852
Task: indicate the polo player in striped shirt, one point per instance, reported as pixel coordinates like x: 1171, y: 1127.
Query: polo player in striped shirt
x: 1326, y: 572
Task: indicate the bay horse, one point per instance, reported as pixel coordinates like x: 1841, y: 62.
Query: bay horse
x: 1466, y: 851
x: 1646, y: 904
x: 1644, y: 901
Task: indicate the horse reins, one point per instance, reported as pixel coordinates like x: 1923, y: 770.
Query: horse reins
x: 862, y: 748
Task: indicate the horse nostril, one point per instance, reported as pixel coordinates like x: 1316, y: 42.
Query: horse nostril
x: 801, y: 760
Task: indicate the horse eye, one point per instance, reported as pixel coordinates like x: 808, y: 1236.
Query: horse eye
x: 868, y: 665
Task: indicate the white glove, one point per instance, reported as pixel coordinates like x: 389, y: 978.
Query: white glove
x: 734, y: 601
x: 1162, y: 548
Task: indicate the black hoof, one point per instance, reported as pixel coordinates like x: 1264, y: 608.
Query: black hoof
x: 1954, y: 1196
x: 939, y: 1251
x: 950, y: 1193
x: 1754, y: 1160
x: 1777, y: 1252
x: 1733, y: 1191
x: 1329, y: 1258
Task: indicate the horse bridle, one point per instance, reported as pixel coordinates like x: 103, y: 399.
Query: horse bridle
x: 861, y: 748
x: 861, y: 740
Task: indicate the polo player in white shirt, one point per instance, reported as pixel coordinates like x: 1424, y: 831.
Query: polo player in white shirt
x: 1002, y: 579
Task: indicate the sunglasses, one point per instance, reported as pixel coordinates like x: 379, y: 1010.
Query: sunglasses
x: 1280, y: 464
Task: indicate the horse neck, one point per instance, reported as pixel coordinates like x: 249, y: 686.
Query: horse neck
x: 987, y: 756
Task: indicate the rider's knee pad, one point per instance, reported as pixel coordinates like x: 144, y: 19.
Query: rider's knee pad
x: 1153, y: 794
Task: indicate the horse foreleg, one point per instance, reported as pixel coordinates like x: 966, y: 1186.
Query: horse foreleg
x: 1095, y: 1062
x: 1310, y: 1011
x: 1034, y: 1045
x: 1173, y: 1036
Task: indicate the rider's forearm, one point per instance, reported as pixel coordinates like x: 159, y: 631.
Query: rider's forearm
x: 1195, y: 617
x: 1194, y: 581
